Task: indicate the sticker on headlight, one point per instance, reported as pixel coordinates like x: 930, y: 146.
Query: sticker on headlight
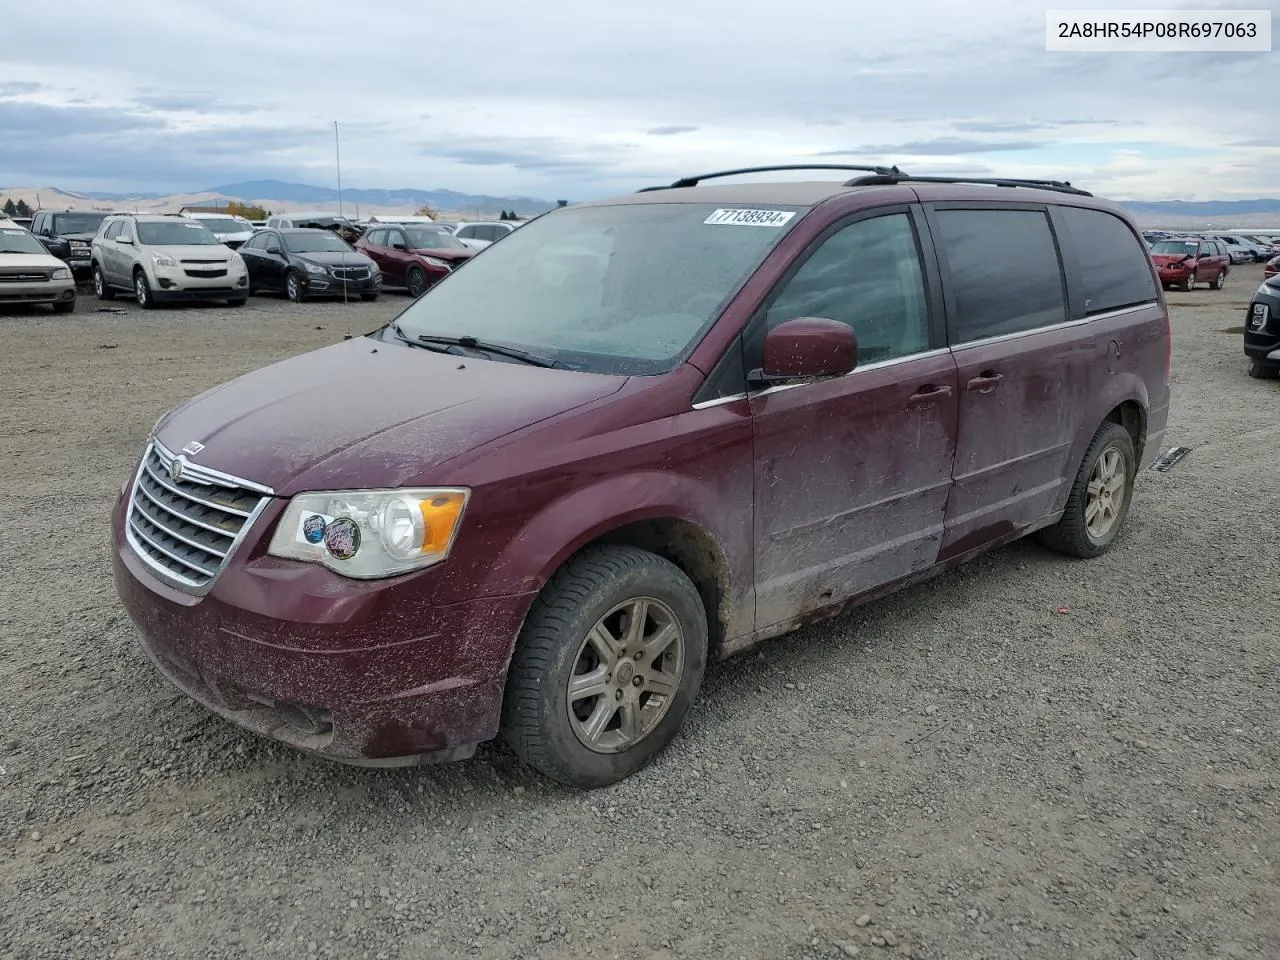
x: 342, y: 538
x: 311, y: 528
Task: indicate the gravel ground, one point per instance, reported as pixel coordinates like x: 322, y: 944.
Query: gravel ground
x: 961, y: 771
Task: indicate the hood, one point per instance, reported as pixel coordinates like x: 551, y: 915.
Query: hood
x: 245, y: 232
x: 368, y: 413
x: 336, y: 258
x: 451, y: 254
x: 199, y: 251
x: 44, y: 261
x: 86, y: 237
x: 1167, y: 258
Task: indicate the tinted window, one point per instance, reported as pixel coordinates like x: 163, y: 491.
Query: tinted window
x: 394, y: 237
x: 466, y: 233
x: 1115, y: 267
x: 377, y: 238
x: 113, y: 228
x: 866, y: 275
x: 255, y: 242
x: 125, y: 232
x: 1004, y: 272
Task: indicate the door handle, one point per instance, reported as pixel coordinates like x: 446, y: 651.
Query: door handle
x: 927, y: 393
x: 987, y: 382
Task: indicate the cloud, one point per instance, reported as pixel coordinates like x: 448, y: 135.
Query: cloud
x: 17, y: 88
x: 191, y: 103
x: 670, y: 131
x: 937, y: 147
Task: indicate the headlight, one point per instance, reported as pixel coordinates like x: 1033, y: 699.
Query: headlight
x: 436, y: 262
x: 367, y: 534
x: 160, y: 260
x: 315, y: 268
x: 374, y: 269
x: 237, y: 262
x: 62, y: 273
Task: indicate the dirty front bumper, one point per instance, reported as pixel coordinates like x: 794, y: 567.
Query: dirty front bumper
x: 1262, y: 327
x: 356, y: 671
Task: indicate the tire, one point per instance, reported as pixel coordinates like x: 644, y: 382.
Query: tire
x: 368, y: 297
x: 64, y: 306
x: 142, y: 291
x: 600, y: 588
x: 416, y: 282
x: 238, y: 302
x: 1071, y: 535
x: 293, y: 288
x: 1190, y: 282
x: 1262, y: 371
x: 101, y: 290
x: 1219, y: 280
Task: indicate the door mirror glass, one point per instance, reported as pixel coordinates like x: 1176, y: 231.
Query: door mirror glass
x: 128, y: 240
x: 807, y: 348
x: 397, y: 245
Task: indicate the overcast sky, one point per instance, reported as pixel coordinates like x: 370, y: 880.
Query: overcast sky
x: 583, y: 98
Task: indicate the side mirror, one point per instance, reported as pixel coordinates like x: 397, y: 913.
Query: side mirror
x: 128, y: 240
x: 397, y: 246
x: 807, y: 348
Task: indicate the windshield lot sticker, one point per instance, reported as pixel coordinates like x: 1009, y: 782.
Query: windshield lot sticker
x: 750, y: 218
x: 312, y: 529
x: 342, y: 537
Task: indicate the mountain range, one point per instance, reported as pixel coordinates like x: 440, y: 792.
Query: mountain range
x: 278, y: 195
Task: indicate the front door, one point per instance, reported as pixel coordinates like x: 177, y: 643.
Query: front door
x: 396, y: 256
x: 1026, y: 372
x: 852, y: 473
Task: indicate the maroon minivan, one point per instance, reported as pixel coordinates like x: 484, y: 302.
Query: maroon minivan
x: 637, y: 435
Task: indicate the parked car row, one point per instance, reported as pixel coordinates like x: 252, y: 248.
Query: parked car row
x: 1240, y: 248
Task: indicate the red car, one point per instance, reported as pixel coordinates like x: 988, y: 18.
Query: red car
x: 1186, y: 262
x: 413, y: 256
x: 1271, y: 268
x: 637, y: 435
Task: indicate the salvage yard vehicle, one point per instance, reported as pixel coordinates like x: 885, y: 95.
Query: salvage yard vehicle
x: 1262, y: 330
x: 1186, y: 261
x: 165, y: 258
x: 302, y: 263
x: 231, y: 231
x: 480, y: 233
x: 538, y: 502
x: 68, y: 235
x: 412, y: 256
x: 30, y: 274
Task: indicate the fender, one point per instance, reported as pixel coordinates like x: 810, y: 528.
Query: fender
x: 1118, y: 388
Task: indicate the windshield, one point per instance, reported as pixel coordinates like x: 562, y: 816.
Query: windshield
x: 174, y: 233
x: 13, y: 240
x: 78, y: 222
x: 430, y: 238
x: 226, y: 224
x: 626, y: 289
x: 316, y: 243
x: 1173, y: 247
x: 321, y: 222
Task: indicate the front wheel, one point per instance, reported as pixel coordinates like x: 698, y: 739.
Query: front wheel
x: 1099, y: 500
x: 416, y: 281
x: 100, y: 288
x: 293, y: 288
x: 1190, y: 281
x: 142, y: 291
x: 1219, y: 280
x: 606, y: 668
x: 1262, y: 371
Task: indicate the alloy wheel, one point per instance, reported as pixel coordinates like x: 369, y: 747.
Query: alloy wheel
x: 1105, y: 494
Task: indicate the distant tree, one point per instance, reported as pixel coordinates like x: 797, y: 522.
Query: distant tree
x: 248, y: 211
x: 9, y: 209
x: 425, y: 211
x: 23, y: 209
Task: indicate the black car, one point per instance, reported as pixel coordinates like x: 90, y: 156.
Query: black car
x: 305, y: 263
x: 67, y: 234
x: 1262, y: 330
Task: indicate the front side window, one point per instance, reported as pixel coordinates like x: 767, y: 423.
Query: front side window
x: 624, y: 289
x: 175, y: 233
x: 867, y: 275
x: 1005, y: 276
x: 1115, y: 267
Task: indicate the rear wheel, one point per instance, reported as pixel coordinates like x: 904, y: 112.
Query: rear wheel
x: 416, y: 281
x: 1099, y: 500
x: 1262, y: 371
x: 100, y: 288
x: 1219, y: 280
x: 606, y: 667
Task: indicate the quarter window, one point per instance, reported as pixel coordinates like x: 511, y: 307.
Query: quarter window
x: 1004, y: 272
x: 1115, y: 268
x: 868, y: 276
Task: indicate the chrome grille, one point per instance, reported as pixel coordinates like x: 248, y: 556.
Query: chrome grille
x: 186, y: 528
x: 24, y: 277
x: 351, y: 273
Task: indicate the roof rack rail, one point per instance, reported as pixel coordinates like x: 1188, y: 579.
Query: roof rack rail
x: 694, y: 181
x: 880, y: 179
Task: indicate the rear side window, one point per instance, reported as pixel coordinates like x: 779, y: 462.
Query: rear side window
x: 867, y: 275
x: 1115, y: 267
x: 1004, y: 272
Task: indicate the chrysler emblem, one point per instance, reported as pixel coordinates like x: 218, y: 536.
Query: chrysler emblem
x: 175, y: 468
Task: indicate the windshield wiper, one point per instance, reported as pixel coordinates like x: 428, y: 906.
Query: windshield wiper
x: 471, y: 343
x: 400, y: 334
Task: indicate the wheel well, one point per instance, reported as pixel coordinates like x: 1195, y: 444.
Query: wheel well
x: 691, y: 549
x: 1133, y: 418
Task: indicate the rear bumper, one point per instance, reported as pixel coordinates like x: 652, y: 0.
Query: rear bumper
x: 362, y: 673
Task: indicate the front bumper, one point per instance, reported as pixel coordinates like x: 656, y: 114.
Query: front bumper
x: 176, y: 285
x: 359, y: 672
x: 49, y: 291
x: 322, y: 285
x: 1262, y: 339
x: 1172, y: 276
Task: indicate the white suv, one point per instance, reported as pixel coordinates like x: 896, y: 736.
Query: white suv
x: 482, y: 233
x: 165, y: 257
